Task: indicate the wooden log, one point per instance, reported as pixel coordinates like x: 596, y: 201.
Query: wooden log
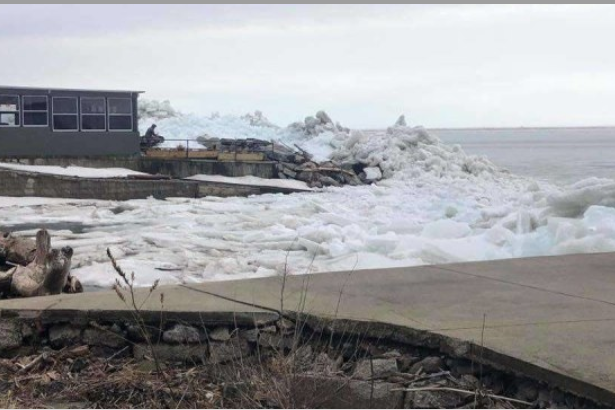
x: 47, y: 274
x: 17, y: 250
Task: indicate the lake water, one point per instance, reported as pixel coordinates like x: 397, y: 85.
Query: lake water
x: 560, y: 155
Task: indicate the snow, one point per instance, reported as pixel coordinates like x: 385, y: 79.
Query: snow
x: 81, y: 172
x: 435, y: 204
x: 252, y: 180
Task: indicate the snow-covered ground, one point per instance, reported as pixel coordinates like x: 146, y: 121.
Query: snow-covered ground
x: 435, y: 204
x: 252, y: 180
x: 81, y: 172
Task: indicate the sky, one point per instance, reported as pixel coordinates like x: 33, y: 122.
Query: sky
x: 440, y: 65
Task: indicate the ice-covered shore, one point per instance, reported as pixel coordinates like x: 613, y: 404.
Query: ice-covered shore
x: 434, y: 204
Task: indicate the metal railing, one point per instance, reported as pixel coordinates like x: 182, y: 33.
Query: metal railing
x: 234, y: 149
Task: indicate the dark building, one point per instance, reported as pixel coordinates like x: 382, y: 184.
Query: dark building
x: 55, y: 122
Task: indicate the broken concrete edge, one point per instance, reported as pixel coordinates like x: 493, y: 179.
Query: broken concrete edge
x: 366, y: 330
x: 82, y: 317
x: 456, y: 348
x: 264, y: 189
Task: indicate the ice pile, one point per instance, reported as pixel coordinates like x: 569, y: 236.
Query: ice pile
x: 155, y: 109
x: 434, y: 204
x: 191, y: 126
x: 258, y: 120
x: 408, y: 152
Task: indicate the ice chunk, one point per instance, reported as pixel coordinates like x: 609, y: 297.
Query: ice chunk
x: 446, y: 228
x: 372, y: 173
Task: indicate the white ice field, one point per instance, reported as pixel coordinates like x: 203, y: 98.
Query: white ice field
x: 435, y: 204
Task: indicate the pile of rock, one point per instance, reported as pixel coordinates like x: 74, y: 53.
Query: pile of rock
x: 270, y: 363
x: 318, y: 175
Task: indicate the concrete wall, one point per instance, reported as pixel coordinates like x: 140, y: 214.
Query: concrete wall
x: 21, y: 184
x: 179, y: 168
x: 186, y: 168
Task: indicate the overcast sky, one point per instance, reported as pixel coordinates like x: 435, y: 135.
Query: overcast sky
x: 442, y: 65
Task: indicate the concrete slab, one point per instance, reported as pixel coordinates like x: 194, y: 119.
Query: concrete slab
x: 179, y: 302
x: 559, y: 329
x: 589, y: 276
x: 551, y: 318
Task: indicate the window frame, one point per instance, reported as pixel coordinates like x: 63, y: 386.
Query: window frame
x: 17, y: 112
x: 23, y: 111
x: 104, y: 114
x: 53, y: 114
x: 109, y: 115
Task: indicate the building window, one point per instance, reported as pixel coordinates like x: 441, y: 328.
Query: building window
x: 65, y: 114
x: 35, y: 111
x: 93, y: 115
x: 120, y: 114
x: 9, y: 110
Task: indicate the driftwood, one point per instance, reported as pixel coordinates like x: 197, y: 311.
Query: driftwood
x: 38, y: 269
x: 15, y: 250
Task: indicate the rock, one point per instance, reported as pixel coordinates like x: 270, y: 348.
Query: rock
x: 368, y: 369
x: 276, y: 341
x: 433, y: 400
x: 250, y: 335
x: 134, y: 333
x: 469, y: 382
x: 328, y: 181
x: 104, y: 337
x: 64, y: 335
x: 494, y: 383
x: 401, y: 121
x: 372, y: 174
x: 390, y: 354
x: 461, y: 366
x: 172, y: 353
x: 406, y: 361
x: 323, y: 364
x: 289, y: 173
x: 181, y: 334
x: 431, y: 364
x: 286, y: 326
x: 10, y: 334
x: 315, y: 391
x: 233, y: 349
x: 526, y: 391
x: 269, y: 329
x: 308, y: 165
x: 353, y: 180
x: 219, y: 334
x: 27, y: 330
x: 305, y: 176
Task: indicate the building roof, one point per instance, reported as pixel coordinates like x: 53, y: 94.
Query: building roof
x: 12, y: 87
